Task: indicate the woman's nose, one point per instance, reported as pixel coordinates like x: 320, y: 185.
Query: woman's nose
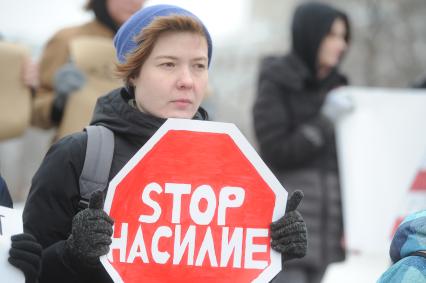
x: 185, y: 79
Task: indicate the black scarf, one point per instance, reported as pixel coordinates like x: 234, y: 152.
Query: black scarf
x: 99, y: 7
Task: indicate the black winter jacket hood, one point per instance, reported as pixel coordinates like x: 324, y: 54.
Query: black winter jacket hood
x: 312, y: 22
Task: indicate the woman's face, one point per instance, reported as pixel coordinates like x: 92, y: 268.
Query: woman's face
x: 121, y: 10
x: 173, y: 80
x: 333, y: 46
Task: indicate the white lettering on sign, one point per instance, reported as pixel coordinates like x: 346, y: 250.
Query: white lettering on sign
x: 188, y: 242
x: 251, y: 248
x: 177, y: 190
x: 157, y: 255
x: 199, y: 217
x: 233, y: 244
x: 138, y: 248
x: 207, y: 249
x: 226, y: 201
x: 229, y: 197
x: 151, y: 187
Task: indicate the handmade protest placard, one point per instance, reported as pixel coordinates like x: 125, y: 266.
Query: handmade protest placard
x: 194, y: 204
x: 10, y: 224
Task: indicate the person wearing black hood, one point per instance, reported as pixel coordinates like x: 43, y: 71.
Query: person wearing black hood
x: 55, y: 68
x: 164, y: 53
x: 293, y: 121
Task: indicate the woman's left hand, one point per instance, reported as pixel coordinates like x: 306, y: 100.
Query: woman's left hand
x: 289, y: 233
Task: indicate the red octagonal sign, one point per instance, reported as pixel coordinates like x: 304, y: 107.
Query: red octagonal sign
x: 194, y: 205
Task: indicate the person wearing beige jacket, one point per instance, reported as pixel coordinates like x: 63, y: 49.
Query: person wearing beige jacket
x: 57, y: 71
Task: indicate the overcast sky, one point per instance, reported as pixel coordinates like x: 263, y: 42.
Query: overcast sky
x: 34, y: 21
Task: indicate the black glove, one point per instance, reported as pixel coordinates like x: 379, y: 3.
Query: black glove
x: 67, y: 80
x: 90, y: 234
x: 25, y: 254
x: 289, y: 233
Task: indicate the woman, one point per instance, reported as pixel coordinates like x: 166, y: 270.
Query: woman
x: 164, y: 53
x: 295, y: 133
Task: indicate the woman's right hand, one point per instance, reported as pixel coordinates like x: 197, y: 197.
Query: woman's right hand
x: 91, y: 233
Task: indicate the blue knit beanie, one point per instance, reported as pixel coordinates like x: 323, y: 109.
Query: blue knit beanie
x: 124, y: 39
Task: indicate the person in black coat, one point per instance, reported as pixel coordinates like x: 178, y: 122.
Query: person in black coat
x: 165, y: 74
x: 5, y: 199
x: 420, y: 83
x: 293, y: 122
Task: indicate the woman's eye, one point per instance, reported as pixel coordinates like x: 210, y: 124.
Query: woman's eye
x: 200, y: 66
x: 168, y: 64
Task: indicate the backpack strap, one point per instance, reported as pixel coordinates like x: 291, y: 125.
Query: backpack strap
x: 97, y: 164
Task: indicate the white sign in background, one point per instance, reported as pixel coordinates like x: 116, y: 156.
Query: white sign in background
x: 381, y: 145
x: 10, y: 224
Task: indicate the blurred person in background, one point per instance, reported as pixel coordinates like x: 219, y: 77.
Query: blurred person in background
x: 419, y: 83
x: 29, y: 75
x: 18, y: 81
x: 408, y: 251
x: 293, y: 121
x: 59, y: 78
x: 5, y: 199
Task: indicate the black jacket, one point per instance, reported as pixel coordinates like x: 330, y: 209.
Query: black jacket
x: 5, y: 199
x: 286, y: 111
x: 54, y: 194
x: 295, y: 140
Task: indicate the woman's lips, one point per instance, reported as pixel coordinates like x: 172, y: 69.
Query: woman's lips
x: 182, y: 103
